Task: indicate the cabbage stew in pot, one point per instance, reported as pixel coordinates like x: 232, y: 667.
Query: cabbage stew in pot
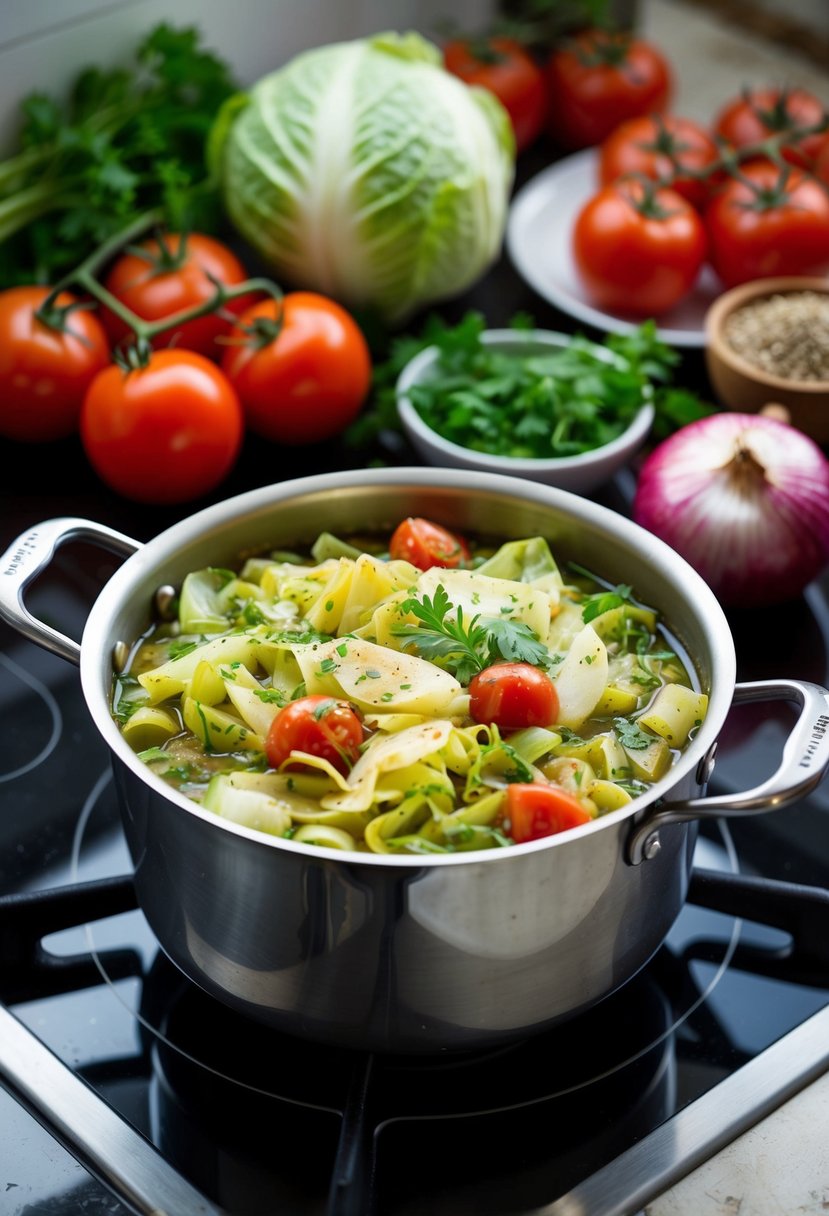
x: 414, y: 693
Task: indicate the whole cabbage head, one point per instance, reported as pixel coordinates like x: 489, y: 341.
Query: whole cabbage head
x: 365, y: 171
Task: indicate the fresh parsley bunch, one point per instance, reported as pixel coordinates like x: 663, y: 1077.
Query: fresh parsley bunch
x: 557, y: 403
x: 127, y: 140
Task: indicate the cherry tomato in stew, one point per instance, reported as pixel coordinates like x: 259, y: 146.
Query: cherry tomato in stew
x: 46, y: 365
x: 665, y: 148
x: 425, y: 544
x: 507, y: 70
x: 759, y: 113
x: 769, y: 221
x: 319, y: 725
x: 534, y: 811
x: 168, y: 275
x: 301, y: 367
x: 599, y: 79
x: 638, y: 250
x: 513, y: 696
x: 164, y: 433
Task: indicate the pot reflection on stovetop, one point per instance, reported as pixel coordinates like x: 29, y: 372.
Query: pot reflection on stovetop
x: 521, y: 1121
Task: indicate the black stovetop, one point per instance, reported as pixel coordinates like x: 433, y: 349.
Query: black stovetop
x: 259, y: 1124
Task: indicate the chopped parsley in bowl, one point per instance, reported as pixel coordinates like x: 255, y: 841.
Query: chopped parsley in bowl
x: 535, y: 403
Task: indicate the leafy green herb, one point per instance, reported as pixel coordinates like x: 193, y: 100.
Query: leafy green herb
x: 271, y: 696
x: 631, y: 735
x: 252, y: 615
x: 179, y: 648
x: 127, y: 140
x: 604, y: 601
x: 467, y: 648
x: 559, y: 402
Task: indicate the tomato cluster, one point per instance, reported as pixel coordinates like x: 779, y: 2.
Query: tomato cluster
x: 577, y: 92
x: 163, y: 420
x: 747, y: 197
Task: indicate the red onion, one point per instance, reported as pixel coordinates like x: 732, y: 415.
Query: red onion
x: 744, y: 499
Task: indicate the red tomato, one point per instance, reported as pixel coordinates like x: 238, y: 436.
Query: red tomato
x: 502, y: 66
x: 600, y: 79
x: 534, y: 811
x: 638, y: 251
x: 664, y: 148
x: 308, y: 382
x: 46, y: 365
x: 167, y: 280
x: 513, y: 696
x: 758, y: 113
x: 319, y: 725
x: 821, y: 169
x: 165, y: 433
x: 768, y: 222
x: 425, y: 544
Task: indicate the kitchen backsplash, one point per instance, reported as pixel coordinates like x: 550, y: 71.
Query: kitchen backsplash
x: 44, y: 43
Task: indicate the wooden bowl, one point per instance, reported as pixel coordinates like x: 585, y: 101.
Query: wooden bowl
x: 741, y: 385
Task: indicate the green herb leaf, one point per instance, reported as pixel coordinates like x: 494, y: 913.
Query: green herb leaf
x: 631, y: 735
x: 467, y: 648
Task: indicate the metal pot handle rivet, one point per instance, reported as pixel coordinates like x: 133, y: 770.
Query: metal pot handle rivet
x: 803, y: 764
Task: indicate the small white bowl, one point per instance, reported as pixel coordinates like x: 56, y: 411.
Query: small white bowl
x: 580, y: 473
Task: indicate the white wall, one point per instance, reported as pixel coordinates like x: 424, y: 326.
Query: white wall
x: 44, y: 43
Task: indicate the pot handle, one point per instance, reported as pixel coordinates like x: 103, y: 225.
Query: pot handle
x: 803, y: 764
x: 30, y: 555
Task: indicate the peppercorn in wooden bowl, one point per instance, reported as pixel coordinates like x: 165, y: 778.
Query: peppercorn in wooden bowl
x: 767, y: 343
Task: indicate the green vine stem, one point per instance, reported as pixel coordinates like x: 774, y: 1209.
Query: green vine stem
x: 85, y: 276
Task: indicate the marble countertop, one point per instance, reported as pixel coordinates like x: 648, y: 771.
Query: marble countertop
x: 778, y: 1168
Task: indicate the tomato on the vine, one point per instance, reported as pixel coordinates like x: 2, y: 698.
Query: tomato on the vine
x: 599, y: 79
x: 168, y: 274
x: 768, y: 221
x: 513, y: 696
x: 301, y: 366
x: 167, y: 432
x: 821, y: 167
x: 507, y: 70
x: 638, y: 248
x: 535, y: 811
x: 759, y: 113
x: 666, y: 148
x: 319, y: 725
x: 426, y: 544
x: 48, y: 359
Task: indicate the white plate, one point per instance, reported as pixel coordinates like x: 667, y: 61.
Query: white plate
x: 539, y: 243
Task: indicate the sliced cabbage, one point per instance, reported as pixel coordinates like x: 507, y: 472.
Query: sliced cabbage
x: 376, y: 678
x: 385, y: 753
x: 526, y: 561
x: 171, y: 678
x: 581, y: 678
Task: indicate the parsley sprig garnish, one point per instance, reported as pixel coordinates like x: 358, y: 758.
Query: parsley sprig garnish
x: 444, y: 636
x: 632, y: 736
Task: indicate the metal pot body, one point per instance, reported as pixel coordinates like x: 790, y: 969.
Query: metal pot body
x: 403, y: 959
x: 406, y: 953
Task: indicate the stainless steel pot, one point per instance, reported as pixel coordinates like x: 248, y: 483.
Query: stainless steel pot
x: 407, y: 953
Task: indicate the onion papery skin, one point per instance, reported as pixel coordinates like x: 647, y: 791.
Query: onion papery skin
x: 744, y: 499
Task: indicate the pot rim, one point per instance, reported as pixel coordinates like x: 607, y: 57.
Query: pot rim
x: 668, y: 564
